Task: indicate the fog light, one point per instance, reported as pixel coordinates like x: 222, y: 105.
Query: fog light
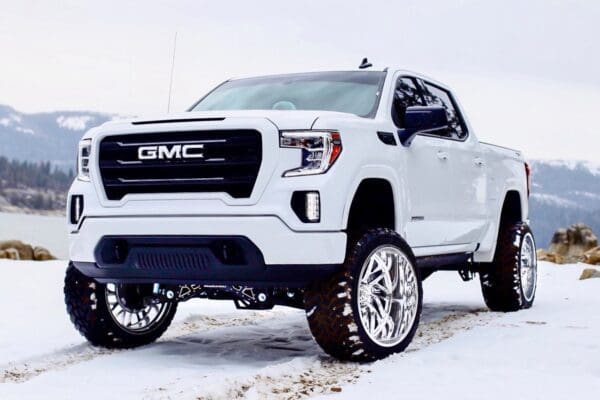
x: 313, y: 208
x: 307, y: 206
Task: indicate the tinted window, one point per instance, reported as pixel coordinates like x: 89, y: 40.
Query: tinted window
x: 355, y: 92
x: 406, y: 94
x: 435, y: 96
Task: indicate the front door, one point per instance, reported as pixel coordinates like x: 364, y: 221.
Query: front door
x: 428, y: 174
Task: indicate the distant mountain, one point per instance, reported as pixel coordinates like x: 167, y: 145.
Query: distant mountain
x: 45, y: 136
x: 563, y: 193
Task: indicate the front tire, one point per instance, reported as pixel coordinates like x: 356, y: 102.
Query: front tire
x: 114, y: 316
x: 509, y: 282
x: 371, y: 307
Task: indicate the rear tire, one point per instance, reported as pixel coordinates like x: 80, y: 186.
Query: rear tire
x: 89, y: 306
x: 371, y: 307
x: 509, y: 282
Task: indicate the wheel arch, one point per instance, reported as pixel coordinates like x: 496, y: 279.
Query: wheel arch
x: 388, y: 209
x: 512, y: 208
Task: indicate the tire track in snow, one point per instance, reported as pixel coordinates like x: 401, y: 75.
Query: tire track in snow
x: 305, y: 377
x: 436, y: 331
x: 19, y: 372
x: 26, y: 370
x: 316, y: 377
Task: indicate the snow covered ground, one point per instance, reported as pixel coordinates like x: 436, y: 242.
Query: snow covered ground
x: 215, y: 352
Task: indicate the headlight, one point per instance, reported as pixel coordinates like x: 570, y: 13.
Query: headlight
x: 83, y: 160
x: 320, y: 149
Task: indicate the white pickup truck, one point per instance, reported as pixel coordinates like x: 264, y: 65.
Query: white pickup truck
x: 334, y: 192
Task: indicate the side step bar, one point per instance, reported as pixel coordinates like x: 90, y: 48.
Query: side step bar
x: 461, y: 262
x: 445, y: 262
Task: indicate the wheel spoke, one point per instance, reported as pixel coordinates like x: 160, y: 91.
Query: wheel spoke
x: 396, y: 278
x: 369, y: 271
x: 382, y: 306
x: 379, y: 262
x: 381, y: 288
x: 372, y: 318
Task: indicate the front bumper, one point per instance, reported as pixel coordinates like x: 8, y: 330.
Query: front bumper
x: 272, y: 251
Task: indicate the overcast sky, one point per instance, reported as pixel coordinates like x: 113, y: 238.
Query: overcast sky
x: 527, y: 72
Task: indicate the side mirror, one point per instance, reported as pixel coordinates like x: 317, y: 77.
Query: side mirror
x: 419, y: 119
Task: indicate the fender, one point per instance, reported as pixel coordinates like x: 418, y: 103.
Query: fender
x: 487, y: 248
x: 398, y: 184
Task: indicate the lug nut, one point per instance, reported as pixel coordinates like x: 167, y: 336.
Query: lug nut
x: 262, y: 297
x: 170, y: 294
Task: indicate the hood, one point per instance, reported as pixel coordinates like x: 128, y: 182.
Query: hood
x: 283, y: 119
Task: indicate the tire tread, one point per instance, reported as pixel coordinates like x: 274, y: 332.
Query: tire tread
x: 501, y: 280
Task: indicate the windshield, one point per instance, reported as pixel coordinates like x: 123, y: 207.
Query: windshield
x: 355, y: 92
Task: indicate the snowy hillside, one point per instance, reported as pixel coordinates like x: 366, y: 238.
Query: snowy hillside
x: 212, y: 351
x: 44, y: 136
x: 573, y: 165
x: 563, y: 193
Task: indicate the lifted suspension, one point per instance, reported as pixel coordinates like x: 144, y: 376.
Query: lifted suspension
x: 244, y: 297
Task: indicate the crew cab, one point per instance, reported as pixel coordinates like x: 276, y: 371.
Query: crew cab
x: 334, y: 192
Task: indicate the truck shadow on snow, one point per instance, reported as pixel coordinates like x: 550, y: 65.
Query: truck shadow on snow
x: 282, y: 338
x: 277, y: 339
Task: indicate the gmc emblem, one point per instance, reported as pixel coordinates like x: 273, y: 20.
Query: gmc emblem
x: 170, y: 152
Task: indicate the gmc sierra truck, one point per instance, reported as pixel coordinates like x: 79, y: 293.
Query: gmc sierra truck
x: 333, y: 192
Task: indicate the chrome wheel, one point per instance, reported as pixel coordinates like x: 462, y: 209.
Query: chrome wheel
x: 528, y: 267
x: 126, y: 307
x: 387, y: 296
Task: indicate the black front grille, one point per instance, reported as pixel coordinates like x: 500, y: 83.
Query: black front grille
x: 229, y: 162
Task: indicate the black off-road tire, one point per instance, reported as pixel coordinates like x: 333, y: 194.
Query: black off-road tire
x: 332, y: 304
x: 86, y: 305
x: 501, y: 279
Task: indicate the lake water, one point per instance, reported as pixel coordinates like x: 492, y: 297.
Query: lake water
x: 37, y: 230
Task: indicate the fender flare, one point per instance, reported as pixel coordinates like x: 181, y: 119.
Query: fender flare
x: 486, y: 254
x: 399, y: 192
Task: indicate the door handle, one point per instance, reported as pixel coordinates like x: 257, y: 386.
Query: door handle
x: 442, y: 155
x: 479, y: 162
